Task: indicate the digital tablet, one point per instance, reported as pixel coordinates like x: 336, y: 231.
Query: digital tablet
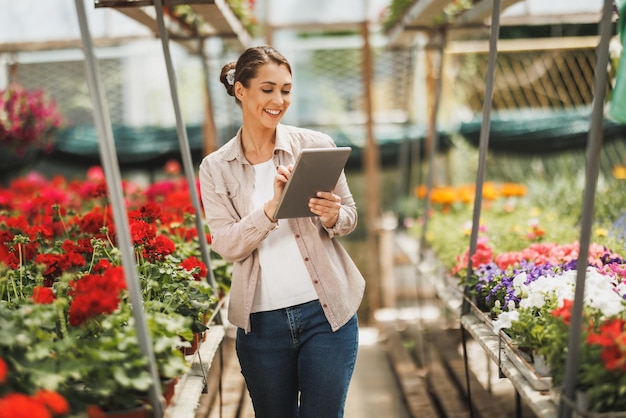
x: 315, y: 170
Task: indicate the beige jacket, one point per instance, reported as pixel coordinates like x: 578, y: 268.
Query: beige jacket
x: 226, y: 185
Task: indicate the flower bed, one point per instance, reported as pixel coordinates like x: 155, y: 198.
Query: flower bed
x: 524, y: 275
x: 66, y: 322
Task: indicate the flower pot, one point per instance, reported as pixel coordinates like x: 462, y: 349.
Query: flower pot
x: 169, y: 387
x: 195, y: 341
x: 542, y: 368
x: 582, y: 403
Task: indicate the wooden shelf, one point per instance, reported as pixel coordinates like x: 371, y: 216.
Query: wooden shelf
x: 540, y: 402
x: 422, y: 16
x: 218, y: 19
x: 479, y: 326
x: 191, y: 385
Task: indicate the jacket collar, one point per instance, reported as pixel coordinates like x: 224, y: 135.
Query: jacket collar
x: 234, y: 150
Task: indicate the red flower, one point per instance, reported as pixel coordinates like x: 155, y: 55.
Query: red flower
x: 96, y: 295
x: 613, y: 340
x: 483, y: 255
x: 564, y: 311
x: 141, y: 232
x: 172, y: 167
x: 150, y: 212
x: 53, y: 401
x: 191, y: 263
x: 102, y: 266
x: 43, y: 295
x: 4, y: 371
x: 18, y: 405
x: 92, y: 222
x: 158, y: 248
x: 56, y: 264
x: 95, y: 173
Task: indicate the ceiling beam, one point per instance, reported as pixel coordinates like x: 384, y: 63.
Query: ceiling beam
x: 218, y: 19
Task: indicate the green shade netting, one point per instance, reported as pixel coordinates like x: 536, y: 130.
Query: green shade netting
x: 136, y: 146
x: 145, y: 146
x: 534, y: 131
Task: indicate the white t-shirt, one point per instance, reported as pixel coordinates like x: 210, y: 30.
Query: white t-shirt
x: 284, y: 280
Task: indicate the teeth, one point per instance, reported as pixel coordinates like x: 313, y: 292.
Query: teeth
x: 273, y: 112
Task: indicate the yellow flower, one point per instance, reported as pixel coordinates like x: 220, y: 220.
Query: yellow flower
x: 619, y: 172
x: 602, y: 232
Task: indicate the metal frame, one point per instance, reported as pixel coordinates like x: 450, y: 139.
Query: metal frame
x: 224, y: 21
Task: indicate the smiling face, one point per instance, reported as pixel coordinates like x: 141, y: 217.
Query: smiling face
x: 267, y: 98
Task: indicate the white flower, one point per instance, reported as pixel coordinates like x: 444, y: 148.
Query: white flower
x: 600, y: 293
x: 505, y: 319
x: 519, y: 283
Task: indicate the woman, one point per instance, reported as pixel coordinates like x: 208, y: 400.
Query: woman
x: 295, y: 291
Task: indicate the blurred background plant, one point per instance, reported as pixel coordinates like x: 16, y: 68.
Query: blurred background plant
x: 28, y: 120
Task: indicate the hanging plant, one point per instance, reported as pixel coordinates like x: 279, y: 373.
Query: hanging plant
x: 28, y: 120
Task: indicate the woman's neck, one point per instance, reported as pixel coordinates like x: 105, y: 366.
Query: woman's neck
x: 258, y: 146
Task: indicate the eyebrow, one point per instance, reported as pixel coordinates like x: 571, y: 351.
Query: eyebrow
x: 275, y: 84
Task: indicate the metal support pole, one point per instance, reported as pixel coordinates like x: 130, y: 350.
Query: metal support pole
x: 433, y: 136
x: 594, y: 146
x: 480, y: 176
x: 484, y: 136
x: 108, y: 156
x: 183, y: 142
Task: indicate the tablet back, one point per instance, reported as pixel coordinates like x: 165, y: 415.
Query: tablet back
x: 315, y: 170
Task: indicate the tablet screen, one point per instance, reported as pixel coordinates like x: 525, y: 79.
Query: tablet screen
x: 315, y: 170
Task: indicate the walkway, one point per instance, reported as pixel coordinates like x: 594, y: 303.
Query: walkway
x: 410, y: 364
x: 374, y: 391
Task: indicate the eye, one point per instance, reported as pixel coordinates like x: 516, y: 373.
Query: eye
x: 267, y: 90
x: 286, y: 91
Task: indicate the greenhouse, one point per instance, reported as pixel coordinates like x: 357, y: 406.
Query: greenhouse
x: 477, y: 229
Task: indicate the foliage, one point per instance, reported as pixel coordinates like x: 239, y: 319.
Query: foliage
x: 524, y: 269
x: 43, y: 404
x: 66, y: 321
x: 516, y: 216
x: 397, y: 9
x: 242, y: 9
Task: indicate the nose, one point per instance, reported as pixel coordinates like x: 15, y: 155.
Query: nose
x: 277, y: 97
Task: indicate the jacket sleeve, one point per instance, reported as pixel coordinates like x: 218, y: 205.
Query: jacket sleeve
x: 234, y: 235
x: 347, y: 220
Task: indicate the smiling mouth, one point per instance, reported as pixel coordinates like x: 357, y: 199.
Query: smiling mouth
x: 273, y: 112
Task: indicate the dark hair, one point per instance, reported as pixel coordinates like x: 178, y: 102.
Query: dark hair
x: 247, y: 65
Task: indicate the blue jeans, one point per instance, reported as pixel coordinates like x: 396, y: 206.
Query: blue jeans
x: 294, y: 365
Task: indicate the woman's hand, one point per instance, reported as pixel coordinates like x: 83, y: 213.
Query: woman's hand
x: 280, y: 179
x: 326, y: 205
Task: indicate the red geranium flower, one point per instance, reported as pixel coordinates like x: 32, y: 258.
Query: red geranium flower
x: 95, y: 295
x: 141, y: 232
x: 19, y: 405
x: 150, y: 212
x: 158, y: 248
x: 43, y: 295
x: 4, y: 371
x: 191, y: 263
x: 53, y: 401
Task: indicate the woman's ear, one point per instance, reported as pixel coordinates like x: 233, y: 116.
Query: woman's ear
x: 239, y: 90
